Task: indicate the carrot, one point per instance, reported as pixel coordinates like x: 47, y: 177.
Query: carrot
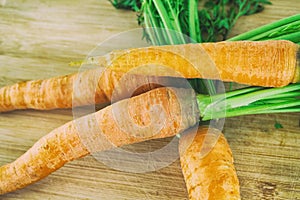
x: 207, y: 166
x: 101, y: 131
x: 266, y: 63
x: 77, y: 89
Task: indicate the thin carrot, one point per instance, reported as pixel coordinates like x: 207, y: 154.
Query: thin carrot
x: 207, y: 166
x: 101, y: 131
x: 85, y: 88
x: 264, y: 63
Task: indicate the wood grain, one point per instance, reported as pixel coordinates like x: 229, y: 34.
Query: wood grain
x: 39, y: 38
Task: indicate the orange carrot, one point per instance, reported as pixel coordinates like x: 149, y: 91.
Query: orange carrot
x: 207, y: 166
x: 101, y: 131
x: 270, y: 63
x: 77, y: 89
x: 265, y: 63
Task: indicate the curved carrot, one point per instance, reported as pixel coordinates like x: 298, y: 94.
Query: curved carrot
x: 266, y: 63
x: 101, y: 131
x: 207, y: 166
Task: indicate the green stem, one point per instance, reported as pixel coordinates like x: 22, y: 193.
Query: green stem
x: 237, y: 92
x: 294, y: 37
x: 168, y: 25
x: 194, y: 27
x: 283, y: 95
x: 280, y: 100
x: 286, y: 110
x: 176, y: 24
x: 265, y: 28
x: 250, y: 101
x: 248, y: 98
x: 149, y: 26
x: 251, y: 110
x: 210, y: 86
x: 281, y: 30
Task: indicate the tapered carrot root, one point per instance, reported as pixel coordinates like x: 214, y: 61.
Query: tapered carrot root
x: 48, y: 154
x: 101, y: 131
x: 207, y: 166
x: 267, y: 63
x: 89, y: 87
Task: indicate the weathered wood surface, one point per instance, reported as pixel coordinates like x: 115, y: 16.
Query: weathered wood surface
x: 39, y: 38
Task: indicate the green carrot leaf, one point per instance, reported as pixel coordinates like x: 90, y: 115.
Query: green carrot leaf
x: 277, y: 125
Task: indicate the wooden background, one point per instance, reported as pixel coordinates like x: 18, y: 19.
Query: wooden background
x: 39, y: 38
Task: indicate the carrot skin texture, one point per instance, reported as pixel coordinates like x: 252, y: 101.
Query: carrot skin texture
x: 207, y: 165
x: 79, y: 89
x: 266, y: 63
x: 98, y: 132
x: 45, y: 156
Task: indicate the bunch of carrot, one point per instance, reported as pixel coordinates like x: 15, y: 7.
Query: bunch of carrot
x: 67, y: 142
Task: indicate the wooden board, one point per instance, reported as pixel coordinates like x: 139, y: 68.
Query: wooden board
x: 39, y: 38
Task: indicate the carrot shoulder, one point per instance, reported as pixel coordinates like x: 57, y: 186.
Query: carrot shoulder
x: 101, y: 131
x: 207, y: 166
